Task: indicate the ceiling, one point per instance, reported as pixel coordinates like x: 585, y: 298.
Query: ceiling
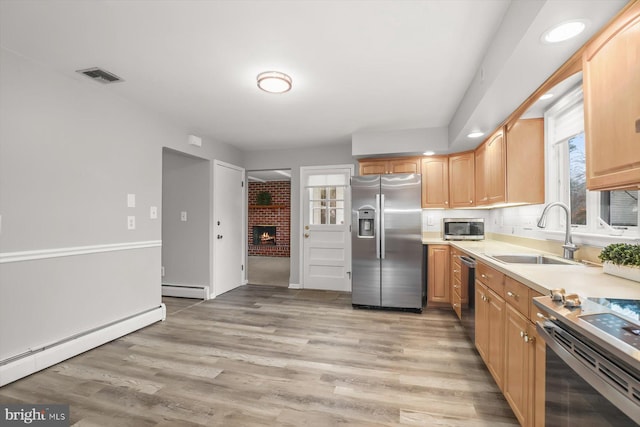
x: 356, y: 65
x: 269, y: 175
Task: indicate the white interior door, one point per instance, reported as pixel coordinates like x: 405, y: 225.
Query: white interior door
x: 228, y: 227
x: 326, y: 218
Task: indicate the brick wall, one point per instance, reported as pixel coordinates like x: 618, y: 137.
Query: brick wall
x: 278, y: 214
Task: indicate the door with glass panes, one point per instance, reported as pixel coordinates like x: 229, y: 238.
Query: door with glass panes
x: 326, y: 219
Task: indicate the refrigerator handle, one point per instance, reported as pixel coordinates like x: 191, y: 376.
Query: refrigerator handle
x: 377, y: 226
x: 382, y: 232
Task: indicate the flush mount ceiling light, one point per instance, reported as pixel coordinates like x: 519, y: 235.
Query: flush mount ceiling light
x: 564, y: 31
x: 475, y: 134
x: 274, y: 82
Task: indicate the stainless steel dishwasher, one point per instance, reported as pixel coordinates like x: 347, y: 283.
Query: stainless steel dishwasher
x: 468, y: 278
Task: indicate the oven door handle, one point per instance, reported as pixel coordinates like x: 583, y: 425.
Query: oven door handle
x: 613, y: 395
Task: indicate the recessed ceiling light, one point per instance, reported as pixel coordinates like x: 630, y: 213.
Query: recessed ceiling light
x: 564, y: 31
x: 274, y: 82
x: 429, y: 153
x: 475, y: 134
x: 546, y: 96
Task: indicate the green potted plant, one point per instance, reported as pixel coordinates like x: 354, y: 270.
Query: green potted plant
x: 263, y: 198
x: 621, y: 259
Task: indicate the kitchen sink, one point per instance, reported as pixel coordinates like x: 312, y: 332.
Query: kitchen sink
x: 531, y: 259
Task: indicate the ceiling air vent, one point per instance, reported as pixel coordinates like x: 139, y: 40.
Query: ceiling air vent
x: 100, y: 75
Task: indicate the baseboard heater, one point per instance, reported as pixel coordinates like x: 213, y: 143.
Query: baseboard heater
x: 35, y: 360
x: 185, y: 291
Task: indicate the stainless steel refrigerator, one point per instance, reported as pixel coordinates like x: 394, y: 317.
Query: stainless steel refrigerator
x: 386, y: 242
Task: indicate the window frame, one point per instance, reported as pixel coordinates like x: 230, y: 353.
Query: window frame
x: 557, y: 181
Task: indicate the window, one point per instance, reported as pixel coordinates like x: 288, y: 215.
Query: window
x: 327, y: 205
x: 597, y: 212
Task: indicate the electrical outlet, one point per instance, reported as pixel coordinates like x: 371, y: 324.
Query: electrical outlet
x: 131, y: 200
x: 153, y: 212
x: 183, y: 216
x: 131, y: 223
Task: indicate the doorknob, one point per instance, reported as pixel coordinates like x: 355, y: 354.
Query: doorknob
x: 306, y: 227
x: 306, y: 235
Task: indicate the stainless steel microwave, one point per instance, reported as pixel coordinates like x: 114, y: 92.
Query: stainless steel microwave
x: 463, y: 229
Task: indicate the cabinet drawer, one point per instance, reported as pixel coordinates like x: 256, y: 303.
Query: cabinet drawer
x: 456, y: 303
x: 517, y: 294
x: 491, y: 278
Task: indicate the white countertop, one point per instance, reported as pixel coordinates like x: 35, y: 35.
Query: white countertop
x: 584, y: 280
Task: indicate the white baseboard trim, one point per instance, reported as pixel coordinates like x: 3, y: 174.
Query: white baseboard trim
x: 66, y: 349
x: 295, y: 286
x: 183, y: 291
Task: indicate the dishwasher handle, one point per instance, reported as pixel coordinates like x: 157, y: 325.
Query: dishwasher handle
x: 468, y: 261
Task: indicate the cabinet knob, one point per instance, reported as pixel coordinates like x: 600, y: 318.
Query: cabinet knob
x: 529, y: 339
x: 446, y: 202
x: 511, y: 294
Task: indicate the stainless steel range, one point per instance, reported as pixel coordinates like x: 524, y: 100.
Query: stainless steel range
x: 593, y: 360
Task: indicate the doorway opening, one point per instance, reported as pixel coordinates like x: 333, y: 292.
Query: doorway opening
x: 269, y: 227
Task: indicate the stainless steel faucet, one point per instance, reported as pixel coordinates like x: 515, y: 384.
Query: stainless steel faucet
x: 569, y: 247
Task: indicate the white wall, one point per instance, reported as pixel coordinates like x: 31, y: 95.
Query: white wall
x: 185, y: 244
x: 402, y: 142
x: 70, y: 152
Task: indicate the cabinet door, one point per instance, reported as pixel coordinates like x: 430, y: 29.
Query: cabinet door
x: 516, y: 375
x: 409, y: 165
x: 537, y: 413
x: 482, y: 321
x: 435, y: 182
x: 496, y: 323
x: 438, y: 274
x: 481, y: 175
x: 525, y: 161
x: 462, y: 180
x: 496, y: 168
x: 373, y: 167
x: 611, y: 65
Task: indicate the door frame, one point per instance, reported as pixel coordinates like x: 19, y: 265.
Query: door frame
x: 301, y: 207
x: 243, y: 225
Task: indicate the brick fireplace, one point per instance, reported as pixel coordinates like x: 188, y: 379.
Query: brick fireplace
x: 269, y: 225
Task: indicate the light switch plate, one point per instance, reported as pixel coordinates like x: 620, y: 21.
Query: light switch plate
x: 131, y: 200
x: 131, y: 223
x: 183, y: 216
x: 153, y: 212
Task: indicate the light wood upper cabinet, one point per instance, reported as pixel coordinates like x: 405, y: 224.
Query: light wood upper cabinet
x: 462, y: 180
x: 490, y: 171
x: 482, y: 197
x: 611, y: 66
x: 525, y: 161
x: 387, y: 166
x: 438, y: 274
x: 373, y: 167
x: 435, y: 182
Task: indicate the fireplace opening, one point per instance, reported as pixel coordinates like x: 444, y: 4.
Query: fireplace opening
x: 264, y: 235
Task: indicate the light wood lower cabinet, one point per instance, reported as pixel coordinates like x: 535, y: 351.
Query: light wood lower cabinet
x: 458, y: 294
x: 438, y: 275
x: 520, y: 353
x: 490, y: 322
x: 507, y: 341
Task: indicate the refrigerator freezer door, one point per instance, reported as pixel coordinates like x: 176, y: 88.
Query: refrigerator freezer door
x: 401, y: 285
x: 365, y: 282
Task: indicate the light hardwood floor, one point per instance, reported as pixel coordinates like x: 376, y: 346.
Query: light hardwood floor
x: 272, y: 356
